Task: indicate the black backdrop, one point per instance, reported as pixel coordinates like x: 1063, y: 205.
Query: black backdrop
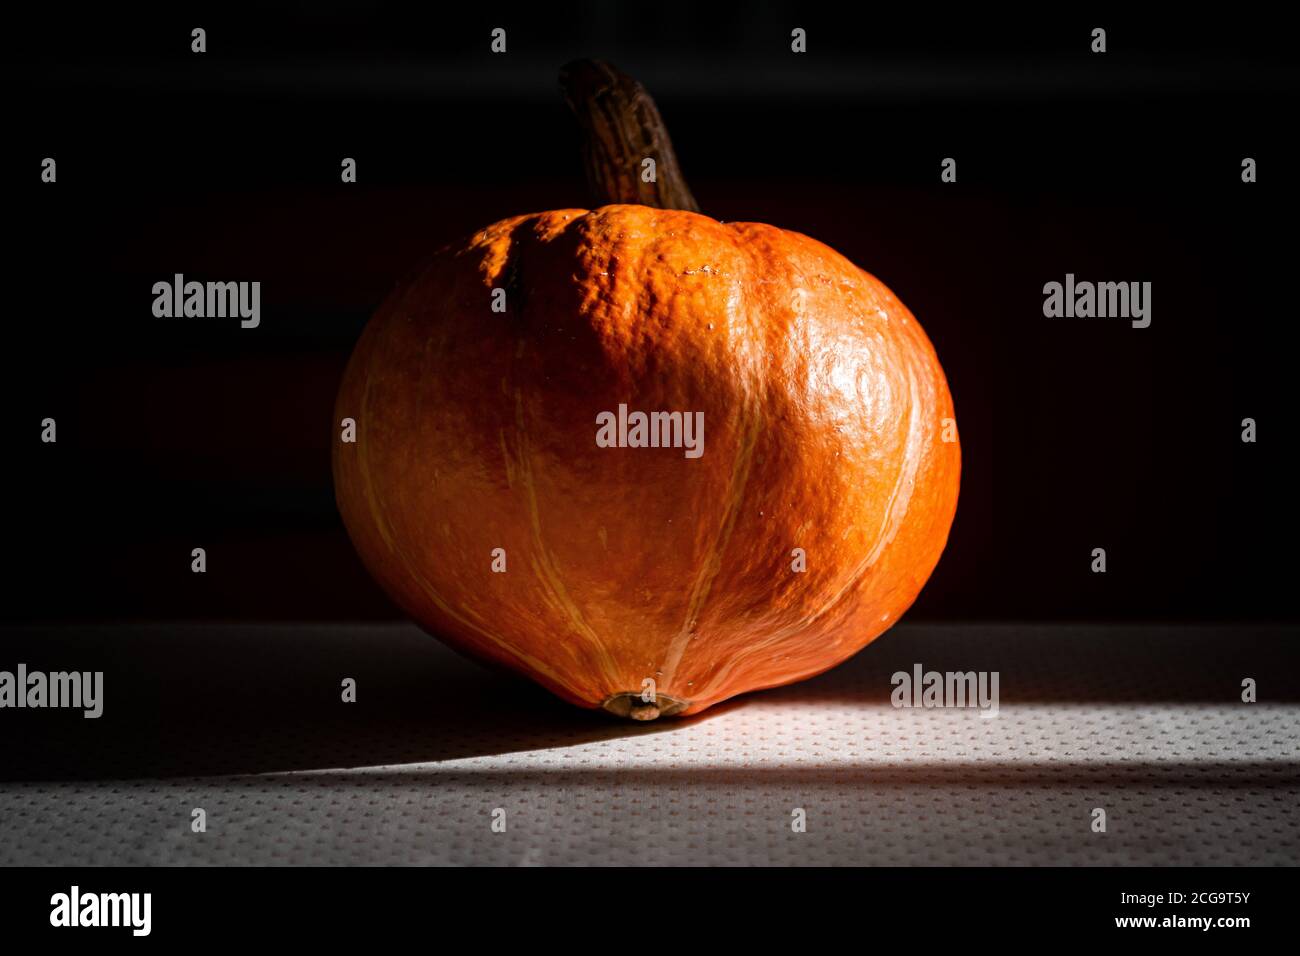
x: 1122, y: 166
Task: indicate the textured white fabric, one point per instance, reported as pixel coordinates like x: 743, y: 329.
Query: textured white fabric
x: 1145, y: 723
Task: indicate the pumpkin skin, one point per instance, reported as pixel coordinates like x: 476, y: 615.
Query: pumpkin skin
x: 824, y: 408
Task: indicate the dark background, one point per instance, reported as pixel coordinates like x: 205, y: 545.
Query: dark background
x: 1121, y: 167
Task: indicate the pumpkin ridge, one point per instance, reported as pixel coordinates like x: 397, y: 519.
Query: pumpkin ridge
x: 543, y: 561
x: 752, y: 415
x: 894, y: 512
x: 448, y: 609
x: 753, y: 238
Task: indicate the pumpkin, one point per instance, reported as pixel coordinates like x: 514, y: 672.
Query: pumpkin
x: 504, y: 491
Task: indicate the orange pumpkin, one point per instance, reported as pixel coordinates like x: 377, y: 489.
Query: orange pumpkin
x: 483, y: 495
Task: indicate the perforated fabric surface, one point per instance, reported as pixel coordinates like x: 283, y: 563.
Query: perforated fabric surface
x: 246, y: 723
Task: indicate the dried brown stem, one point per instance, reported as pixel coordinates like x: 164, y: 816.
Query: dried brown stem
x: 622, y: 128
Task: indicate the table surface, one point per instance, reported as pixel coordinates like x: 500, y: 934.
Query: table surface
x: 246, y: 723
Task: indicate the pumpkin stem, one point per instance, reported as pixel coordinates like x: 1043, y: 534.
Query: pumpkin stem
x: 621, y: 128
